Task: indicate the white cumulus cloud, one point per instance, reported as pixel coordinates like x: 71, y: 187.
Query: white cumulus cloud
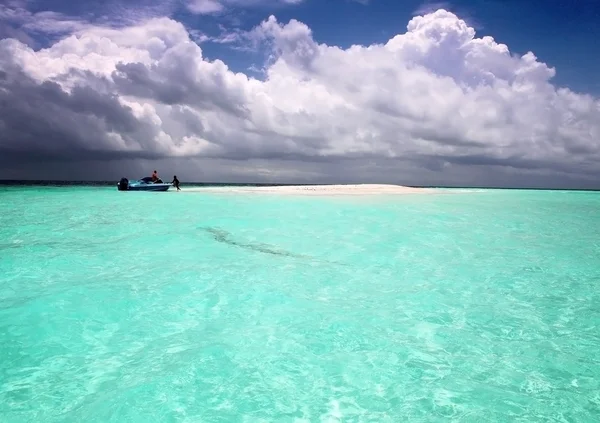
x: 435, y: 100
x: 205, y: 7
x: 210, y: 7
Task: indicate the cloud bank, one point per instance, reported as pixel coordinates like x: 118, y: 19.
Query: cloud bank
x: 435, y: 104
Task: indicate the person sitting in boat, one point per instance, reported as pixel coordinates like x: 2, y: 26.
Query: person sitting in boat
x: 155, y: 178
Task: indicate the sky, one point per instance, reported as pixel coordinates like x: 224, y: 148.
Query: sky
x: 464, y: 93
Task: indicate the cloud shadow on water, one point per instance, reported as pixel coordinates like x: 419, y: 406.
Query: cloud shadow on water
x: 226, y: 237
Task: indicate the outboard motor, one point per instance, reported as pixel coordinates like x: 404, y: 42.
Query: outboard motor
x: 123, y: 184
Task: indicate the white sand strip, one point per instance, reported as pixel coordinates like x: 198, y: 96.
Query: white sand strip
x: 362, y: 189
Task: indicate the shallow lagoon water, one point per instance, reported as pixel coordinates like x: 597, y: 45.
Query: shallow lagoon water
x: 206, y: 307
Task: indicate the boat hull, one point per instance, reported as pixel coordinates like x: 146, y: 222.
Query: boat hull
x: 126, y: 185
x: 148, y: 187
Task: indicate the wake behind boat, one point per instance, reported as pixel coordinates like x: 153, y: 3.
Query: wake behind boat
x: 144, y: 184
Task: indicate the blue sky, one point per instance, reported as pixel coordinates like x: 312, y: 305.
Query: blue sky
x: 563, y: 34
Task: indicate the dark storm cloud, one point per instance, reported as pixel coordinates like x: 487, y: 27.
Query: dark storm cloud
x: 8, y: 30
x: 176, y: 84
x: 584, y: 168
x: 41, y: 121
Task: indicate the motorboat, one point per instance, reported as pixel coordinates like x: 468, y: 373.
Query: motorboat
x: 144, y: 184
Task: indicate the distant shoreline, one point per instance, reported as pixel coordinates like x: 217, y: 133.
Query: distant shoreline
x: 62, y: 183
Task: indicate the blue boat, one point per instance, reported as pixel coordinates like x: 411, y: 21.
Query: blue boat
x: 144, y: 184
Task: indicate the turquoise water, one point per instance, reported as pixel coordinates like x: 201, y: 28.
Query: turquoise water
x: 196, y: 307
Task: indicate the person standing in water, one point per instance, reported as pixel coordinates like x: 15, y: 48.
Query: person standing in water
x: 176, y: 182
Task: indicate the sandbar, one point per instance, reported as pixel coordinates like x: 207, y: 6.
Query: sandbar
x: 358, y: 189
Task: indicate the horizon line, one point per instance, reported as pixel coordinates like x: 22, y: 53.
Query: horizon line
x: 61, y: 182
